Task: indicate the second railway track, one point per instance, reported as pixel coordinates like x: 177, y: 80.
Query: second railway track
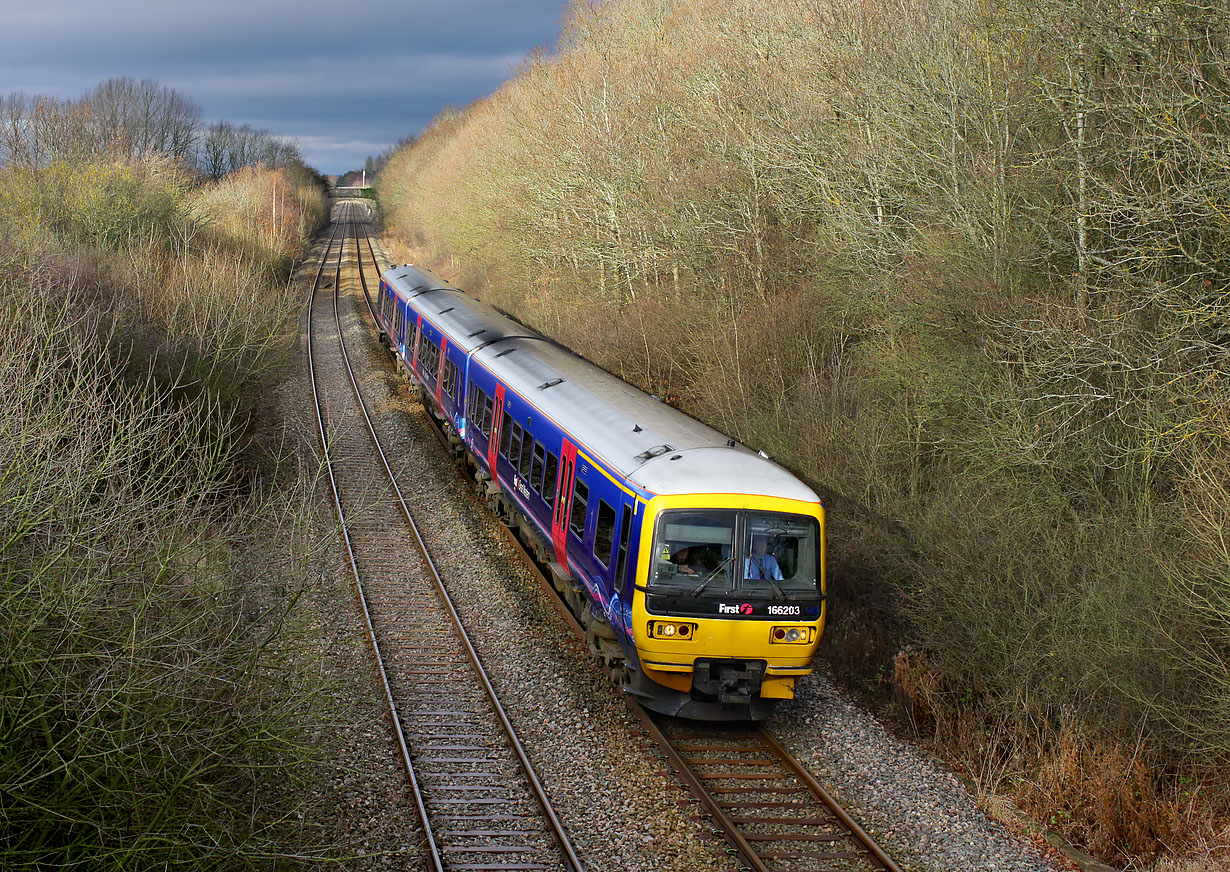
x: 480, y: 804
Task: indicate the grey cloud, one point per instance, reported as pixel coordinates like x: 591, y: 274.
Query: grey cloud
x: 345, y: 82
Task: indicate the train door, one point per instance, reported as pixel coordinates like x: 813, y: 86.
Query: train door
x: 622, y: 585
x: 625, y: 538
x: 497, y: 424
x: 563, y: 501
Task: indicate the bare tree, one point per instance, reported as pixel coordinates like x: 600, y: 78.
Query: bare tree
x: 142, y: 118
x: 214, y: 152
x: 15, y: 129
x: 225, y: 148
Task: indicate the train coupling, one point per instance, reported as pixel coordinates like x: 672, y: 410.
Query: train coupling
x: 731, y: 681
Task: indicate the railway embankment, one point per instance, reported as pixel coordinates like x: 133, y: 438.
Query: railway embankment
x: 152, y: 557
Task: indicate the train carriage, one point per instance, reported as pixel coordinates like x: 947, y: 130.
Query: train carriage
x: 695, y: 561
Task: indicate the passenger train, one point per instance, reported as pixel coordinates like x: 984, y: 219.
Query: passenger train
x: 696, y: 565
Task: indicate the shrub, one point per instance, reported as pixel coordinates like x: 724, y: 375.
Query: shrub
x: 137, y: 723
x: 144, y: 697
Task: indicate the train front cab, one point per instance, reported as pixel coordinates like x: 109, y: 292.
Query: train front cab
x: 715, y: 642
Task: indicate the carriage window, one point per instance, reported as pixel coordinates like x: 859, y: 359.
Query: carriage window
x: 549, y: 473
x: 514, y: 450
x: 481, y: 410
x: 432, y: 357
x: 505, y: 439
x: 604, y: 533
x: 429, y: 356
x: 472, y: 407
x: 580, y: 497
x: 527, y: 455
x: 536, y: 467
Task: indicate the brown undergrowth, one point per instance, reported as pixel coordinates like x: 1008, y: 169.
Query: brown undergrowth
x: 1112, y: 794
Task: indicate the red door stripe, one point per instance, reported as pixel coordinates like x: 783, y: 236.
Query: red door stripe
x: 563, y: 502
x: 497, y: 424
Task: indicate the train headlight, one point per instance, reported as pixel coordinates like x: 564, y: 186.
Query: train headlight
x: 792, y: 635
x: 675, y: 630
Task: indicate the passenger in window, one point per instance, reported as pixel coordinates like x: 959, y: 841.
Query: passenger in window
x: 761, y: 564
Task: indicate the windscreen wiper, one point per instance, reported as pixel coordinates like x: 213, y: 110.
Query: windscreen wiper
x: 712, y: 575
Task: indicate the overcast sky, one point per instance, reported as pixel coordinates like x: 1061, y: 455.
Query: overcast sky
x: 344, y: 79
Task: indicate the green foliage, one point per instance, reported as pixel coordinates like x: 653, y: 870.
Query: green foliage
x: 102, y: 204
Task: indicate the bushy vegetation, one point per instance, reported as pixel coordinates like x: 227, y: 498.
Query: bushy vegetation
x: 145, y: 708
x: 962, y: 265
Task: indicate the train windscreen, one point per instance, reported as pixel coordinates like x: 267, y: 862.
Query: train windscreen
x: 736, y: 563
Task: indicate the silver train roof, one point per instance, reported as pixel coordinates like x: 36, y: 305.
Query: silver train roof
x: 658, y: 448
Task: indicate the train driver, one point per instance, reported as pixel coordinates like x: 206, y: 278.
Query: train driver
x: 686, y: 560
x: 761, y: 564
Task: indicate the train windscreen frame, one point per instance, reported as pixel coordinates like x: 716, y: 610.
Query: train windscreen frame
x: 735, y: 563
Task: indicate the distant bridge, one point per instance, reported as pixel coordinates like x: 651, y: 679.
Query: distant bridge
x: 353, y: 191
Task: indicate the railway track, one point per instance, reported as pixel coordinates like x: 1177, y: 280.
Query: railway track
x: 480, y: 804
x: 771, y: 814
x: 767, y: 806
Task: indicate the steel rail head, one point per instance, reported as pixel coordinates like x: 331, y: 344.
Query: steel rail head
x: 825, y: 797
x: 729, y: 829
x: 367, y: 297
